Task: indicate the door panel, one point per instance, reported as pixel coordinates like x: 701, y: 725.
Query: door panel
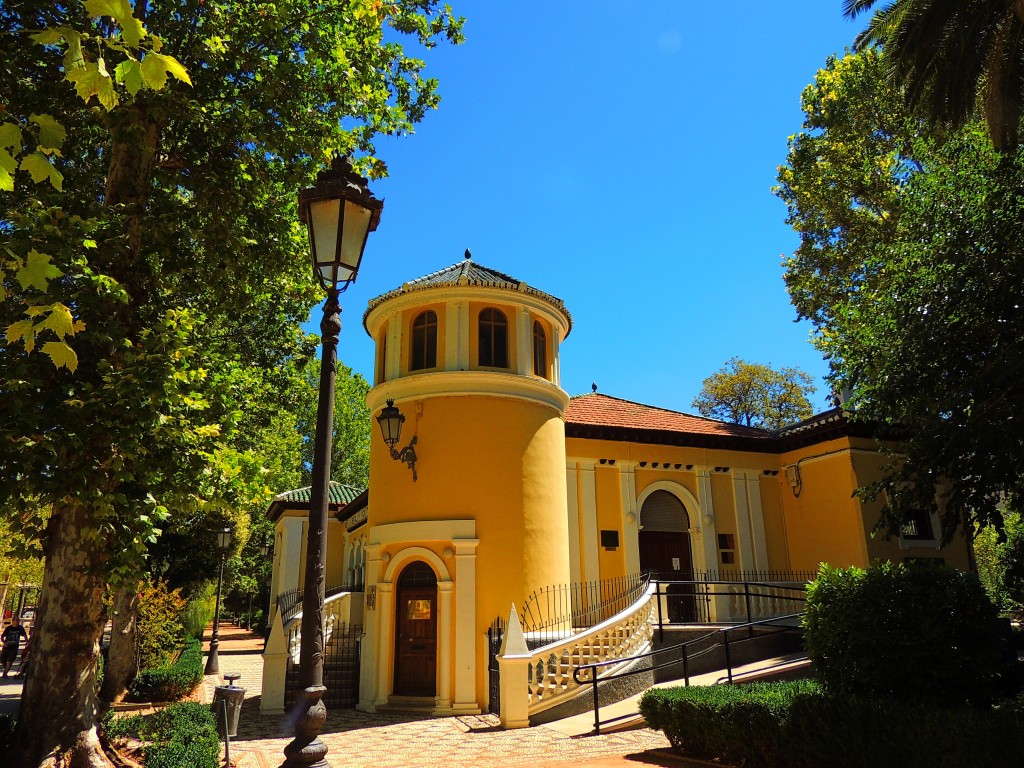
x: 667, y: 554
x: 416, y: 642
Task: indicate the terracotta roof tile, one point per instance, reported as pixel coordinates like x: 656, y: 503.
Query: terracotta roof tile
x: 603, y: 411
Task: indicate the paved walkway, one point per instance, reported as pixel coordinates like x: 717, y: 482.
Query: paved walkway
x: 410, y: 741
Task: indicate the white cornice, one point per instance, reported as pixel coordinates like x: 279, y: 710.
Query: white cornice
x: 419, y: 386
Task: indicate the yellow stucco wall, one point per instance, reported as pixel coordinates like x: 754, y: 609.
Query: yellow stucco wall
x: 775, y: 533
x: 498, y: 461
x: 609, y: 517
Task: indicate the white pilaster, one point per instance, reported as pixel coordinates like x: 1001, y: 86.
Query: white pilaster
x: 630, y: 522
x: 573, y: 520
x: 753, y: 482
x: 524, y: 342
x: 465, y: 626
x: 744, y: 544
x: 394, y: 352
x: 443, y: 701
x: 385, y: 643
x: 556, y: 368
x: 455, y: 329
x: 588, y: 510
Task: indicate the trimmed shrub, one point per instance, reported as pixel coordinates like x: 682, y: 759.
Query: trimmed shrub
x: 908, y: 631
x: 796, y: 725
x: 186, y: 738
x: 159, y: 624
x: 183, y: 735
x: 173, y: 681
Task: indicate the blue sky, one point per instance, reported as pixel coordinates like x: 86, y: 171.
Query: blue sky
x: 621, y: 157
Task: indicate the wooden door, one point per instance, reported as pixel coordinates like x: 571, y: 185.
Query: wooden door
x: 667, y: 555
x: 416, y: 633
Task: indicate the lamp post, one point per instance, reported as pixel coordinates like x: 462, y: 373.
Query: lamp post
x: 223, y: 545
x: 265, y: 549
x: 339, y: 213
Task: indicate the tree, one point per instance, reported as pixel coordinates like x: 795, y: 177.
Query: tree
x: 164, y: 272
x: 756, y: 395
x: 953, y: 59
x: 910, y: 268
x: 350, y: 458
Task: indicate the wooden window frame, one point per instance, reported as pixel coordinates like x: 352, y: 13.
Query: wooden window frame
x: 424, y: 342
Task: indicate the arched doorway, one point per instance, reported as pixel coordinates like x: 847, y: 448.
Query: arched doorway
x: 416, y: 631
x: 664, y: 542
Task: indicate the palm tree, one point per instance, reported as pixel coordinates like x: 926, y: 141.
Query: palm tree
x: 954, y: 58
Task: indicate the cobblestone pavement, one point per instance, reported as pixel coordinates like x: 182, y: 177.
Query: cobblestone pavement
x: 357, y: 739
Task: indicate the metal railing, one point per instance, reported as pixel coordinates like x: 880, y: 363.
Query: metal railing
x: 683, y: 654
x: 289, y: 603
x: 555, y: 612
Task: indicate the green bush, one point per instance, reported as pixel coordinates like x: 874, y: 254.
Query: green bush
x: 908, y: 631
x: 173, y: 681
x: 160, y: 627
x: 198, y: 612
x: 796, y: 725
x: 183, y: 735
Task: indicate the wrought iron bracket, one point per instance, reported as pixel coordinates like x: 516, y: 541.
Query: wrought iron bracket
x: 407, y: 456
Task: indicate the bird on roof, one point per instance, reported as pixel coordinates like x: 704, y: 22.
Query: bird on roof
x: 468, y: 254
x: 594, y: 387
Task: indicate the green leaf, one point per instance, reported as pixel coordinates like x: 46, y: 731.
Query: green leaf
x: 129, y: 72
x: 132, y: 30
x: 37, y: 272
x: 21, y: 331
x: 51, y: 133
x: 8, y: 165
x: 156, y: 67
x: 39, y: 167
x: 62, y: 355
x: 10, y: 136
x: 89, y: 82
x: 59, y: 321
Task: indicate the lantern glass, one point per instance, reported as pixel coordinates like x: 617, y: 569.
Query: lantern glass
x: 224, y: 540
x: 337, y: 261
x: 391, y: 420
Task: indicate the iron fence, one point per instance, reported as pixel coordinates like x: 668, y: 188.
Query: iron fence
x: 341, y: 669
x: 559, y: 610
x: 289, y: 603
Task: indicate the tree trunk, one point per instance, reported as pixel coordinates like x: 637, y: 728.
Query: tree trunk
x: 3, y: 597
x: 57, y: 720
x: 121, y: 666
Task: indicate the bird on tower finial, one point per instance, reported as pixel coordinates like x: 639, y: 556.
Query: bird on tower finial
x: 468, y: 254
x: 594, y: 387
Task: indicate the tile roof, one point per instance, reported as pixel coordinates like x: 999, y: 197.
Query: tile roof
x: 598, y: 410
x: 339, y: 494
x: 468, y: 272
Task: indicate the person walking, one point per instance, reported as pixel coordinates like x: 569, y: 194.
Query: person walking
x: 11, y: 639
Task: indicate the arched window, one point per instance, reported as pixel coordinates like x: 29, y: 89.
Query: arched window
x: 540, y: 350
x: 493, y: 346
x: 424, y: 341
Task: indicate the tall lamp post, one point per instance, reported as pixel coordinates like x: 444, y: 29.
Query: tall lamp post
x: 339, y: 213
x: 223, y: 546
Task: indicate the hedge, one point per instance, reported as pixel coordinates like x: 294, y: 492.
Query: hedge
x: 909, y: 632
x: 172, y: 682
x: 796, y: 725
x: 184, y: 735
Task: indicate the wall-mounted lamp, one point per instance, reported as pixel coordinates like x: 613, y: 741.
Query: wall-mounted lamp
x: 793, y: 476
x: 391, y: 420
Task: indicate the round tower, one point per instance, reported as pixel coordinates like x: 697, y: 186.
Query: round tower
x: 470, y: 502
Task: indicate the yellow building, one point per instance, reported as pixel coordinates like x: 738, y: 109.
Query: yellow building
x: 508, y: 485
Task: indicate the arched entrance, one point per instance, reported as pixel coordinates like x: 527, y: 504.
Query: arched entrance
x: 416, y: 631
x: 664, y: 542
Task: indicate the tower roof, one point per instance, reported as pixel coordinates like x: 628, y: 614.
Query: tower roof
x: 469, y: 273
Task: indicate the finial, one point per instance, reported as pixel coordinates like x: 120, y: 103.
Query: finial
x: 594, y: 387
x: 468, y: 254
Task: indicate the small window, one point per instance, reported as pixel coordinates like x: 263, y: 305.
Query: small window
x: 610, y: 539
x: 493, y: 342
x: 424, y: 341
x: 727, y: 548
x: 917, y: 526
x: 540, y: 350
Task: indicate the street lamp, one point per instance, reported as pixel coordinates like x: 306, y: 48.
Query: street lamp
x: 339, y: 213
x: 223, y: 546
x: 391, y: 420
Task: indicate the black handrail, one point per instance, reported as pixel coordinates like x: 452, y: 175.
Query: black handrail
x: 721, y: 637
